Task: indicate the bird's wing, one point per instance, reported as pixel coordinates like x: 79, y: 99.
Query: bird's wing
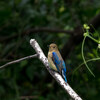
x: 58, y: 62
x: 63, y: 64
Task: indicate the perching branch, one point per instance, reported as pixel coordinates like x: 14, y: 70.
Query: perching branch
x: 56, y: 75
x: 42, y: 57
x: 18, y: 60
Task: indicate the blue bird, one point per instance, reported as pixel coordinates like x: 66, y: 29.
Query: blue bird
x: 56, y: 61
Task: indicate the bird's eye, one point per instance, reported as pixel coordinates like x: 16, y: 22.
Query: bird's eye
x: 53, y: 47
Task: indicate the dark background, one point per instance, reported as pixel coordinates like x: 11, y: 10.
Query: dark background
x: 48, y: 21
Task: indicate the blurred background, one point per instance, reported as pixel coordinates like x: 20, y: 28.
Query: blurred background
x: 48, y: 21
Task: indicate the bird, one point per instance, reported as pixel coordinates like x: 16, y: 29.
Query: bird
x: 56, y: 61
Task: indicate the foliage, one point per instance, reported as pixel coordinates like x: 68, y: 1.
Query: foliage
x: 29, y: 77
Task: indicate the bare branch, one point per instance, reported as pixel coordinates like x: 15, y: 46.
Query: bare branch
x: 51, y: 30
x: 18, y: 60
x: 34, y: 31
x: 56, y: 75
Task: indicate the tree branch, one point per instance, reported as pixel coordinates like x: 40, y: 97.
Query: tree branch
x: 44, y: 60
x: 51, y: 30
x: 16, y: 61
x: 56, y: 75
x: 35, y: 30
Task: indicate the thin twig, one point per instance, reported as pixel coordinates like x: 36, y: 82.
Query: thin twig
x: 56, y: 75
x: 18, y: 60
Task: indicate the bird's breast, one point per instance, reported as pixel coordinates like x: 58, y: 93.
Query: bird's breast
x: 49, y: 54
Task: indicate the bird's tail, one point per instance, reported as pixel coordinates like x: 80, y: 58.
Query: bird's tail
x: 64, y: 75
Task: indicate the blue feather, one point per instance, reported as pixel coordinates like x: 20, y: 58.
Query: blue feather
x: 64, y: 66
x: 56, y: 60
x: 60, y: 64
x: 64, y: 75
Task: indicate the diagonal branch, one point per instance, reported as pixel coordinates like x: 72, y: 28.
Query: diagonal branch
x: 57, y: 76
x: 42, y: 57
x: 18, y: 60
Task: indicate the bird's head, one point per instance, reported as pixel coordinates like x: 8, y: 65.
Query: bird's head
x: 52, y: 47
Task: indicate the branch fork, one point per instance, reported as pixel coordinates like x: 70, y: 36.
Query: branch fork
x: 42, y: 57
x: 56, y: 75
